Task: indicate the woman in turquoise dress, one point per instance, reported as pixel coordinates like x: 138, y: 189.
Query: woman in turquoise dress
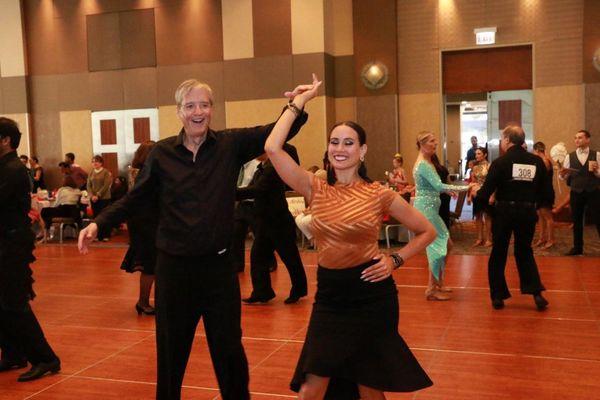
x: 427, y: 201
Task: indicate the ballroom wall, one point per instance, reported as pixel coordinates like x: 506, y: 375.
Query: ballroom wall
x: 61, y: 60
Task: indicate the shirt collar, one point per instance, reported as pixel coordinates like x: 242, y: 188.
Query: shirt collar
x: 585, y: 150
x: 211, y: 136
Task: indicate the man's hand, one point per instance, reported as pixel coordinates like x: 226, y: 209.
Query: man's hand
x: 303, y: 93
x: 86, y: 236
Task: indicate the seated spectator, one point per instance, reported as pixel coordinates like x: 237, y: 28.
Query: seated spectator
x: 37, y: 175
x: 65, y: 206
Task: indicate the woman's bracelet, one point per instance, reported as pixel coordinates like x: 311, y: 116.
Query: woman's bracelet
x: 294, y: 108
x: 397, y: 259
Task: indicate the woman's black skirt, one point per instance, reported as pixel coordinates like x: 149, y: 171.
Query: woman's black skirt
x: 353, y: 338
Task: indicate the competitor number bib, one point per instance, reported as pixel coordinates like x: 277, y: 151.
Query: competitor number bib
x: 523, y: 172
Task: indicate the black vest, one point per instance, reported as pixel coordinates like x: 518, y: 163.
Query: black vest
x: 583, y: 180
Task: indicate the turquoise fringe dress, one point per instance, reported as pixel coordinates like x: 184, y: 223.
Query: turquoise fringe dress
x: 427, y: 201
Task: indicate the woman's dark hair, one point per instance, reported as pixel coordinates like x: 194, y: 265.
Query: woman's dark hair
x: 539, y: 146
x: 34, y: 159
x: 69, y: 181
x: 483, y: 150
x: 362, y: 139
x: 98, y: 158
x: 139, y: 158
x: 439, y: 168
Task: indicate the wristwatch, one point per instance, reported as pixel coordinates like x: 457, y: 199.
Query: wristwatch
x: 397, y: 259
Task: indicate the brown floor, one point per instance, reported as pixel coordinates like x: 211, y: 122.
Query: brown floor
x: 86, y: 307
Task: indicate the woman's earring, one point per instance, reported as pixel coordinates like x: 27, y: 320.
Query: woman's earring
x: 362, y: 158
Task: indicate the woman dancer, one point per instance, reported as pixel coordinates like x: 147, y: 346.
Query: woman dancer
x: 352, y: 348
x: 427, y: 200
x: 481, y: 209
x: 141, y: 255
x: 546, y: 239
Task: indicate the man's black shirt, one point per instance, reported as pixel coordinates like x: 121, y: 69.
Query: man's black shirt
x: 195, y: 198
x: 500, y: 178
x: 15, y: 189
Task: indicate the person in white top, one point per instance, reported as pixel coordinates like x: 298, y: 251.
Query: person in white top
x: 581, y: 171
x: 66, y: 204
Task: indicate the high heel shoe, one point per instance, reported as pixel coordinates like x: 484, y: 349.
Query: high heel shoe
x: 144, y: 310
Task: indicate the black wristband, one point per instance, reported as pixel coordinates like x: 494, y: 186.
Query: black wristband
x: 397, y: 259
x: 294, y: 108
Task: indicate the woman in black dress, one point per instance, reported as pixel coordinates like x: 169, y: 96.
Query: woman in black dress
x: 141, y: 255
x: 546, y: 239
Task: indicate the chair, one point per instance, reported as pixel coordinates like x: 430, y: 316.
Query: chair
x: 455, y: 215
x: 64, y: 222
x: 392, y: 223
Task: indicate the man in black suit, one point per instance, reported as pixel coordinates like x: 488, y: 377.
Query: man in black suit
x: 274, y: 230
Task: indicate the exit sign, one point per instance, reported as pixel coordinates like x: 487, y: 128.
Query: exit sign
x: 485, y: 36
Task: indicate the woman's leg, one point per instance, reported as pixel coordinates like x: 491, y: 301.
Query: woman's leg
x: 479, y: 229
x: 487, y: 230
x: 367, y: 393
x: 313, y: 388
x: 146, y: 281
x: 546, y: 216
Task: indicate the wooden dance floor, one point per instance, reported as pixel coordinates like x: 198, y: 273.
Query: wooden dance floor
x: 86, y: 307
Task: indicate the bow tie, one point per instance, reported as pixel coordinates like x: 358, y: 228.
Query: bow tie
x: 583, y: 151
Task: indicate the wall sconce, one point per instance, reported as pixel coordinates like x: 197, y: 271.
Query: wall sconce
x: 596, y: 59
x: 374, y: 75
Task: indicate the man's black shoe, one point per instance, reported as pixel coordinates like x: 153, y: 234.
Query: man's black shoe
x: 7, y: 365
x: 540, y: 302
x: 574, y: 252
x: 257, y: 299
x: 39, y: 370
x: 498, y: 304
x: 293, y: 299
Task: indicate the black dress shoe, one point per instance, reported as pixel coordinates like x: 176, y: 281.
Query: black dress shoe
x: 293, y: 299
x: 540, y: 302
x: 498, y: 304
x: 7, y: 365
x: 39, y: 370
x: 148, y: 310
x: 258, y: 299
x: 574, y: 252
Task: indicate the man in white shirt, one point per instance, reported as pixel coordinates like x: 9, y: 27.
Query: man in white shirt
x: 581, y: 170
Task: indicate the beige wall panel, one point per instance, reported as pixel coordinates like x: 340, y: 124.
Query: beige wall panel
x: 168, y: 122
x: 13, y: 99
x: 139, y: 88
x: 76, y: 135
x: 453, y: 136
x: 558, y: 120
x: 558, y: 62
x: 22, y: 120
x: 12, y: 56
x: 592, y: 112
x: 311, y: 140
x: 418, y: 55
x: 106, y: 90
x: 339, y: 40
x: 46, y: 144
x: 75, y: 92
x: 180, y: 25
x: 138, y: 41
x: 559, y: 19
x: 418, y: 112
x: 103, y: 42
x: 345, y: 109
x: 238, y: 41
x: 308, y: 26
x: 457, y: 20
x: 170, y: 77
x: 71, y: 44
x: 378, y: 116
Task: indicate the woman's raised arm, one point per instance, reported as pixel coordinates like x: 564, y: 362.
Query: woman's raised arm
x: 291, y: 173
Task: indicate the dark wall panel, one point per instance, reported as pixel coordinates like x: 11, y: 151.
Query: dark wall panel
x: 104, y: 42
x: 196, y: 36
x: 108, y: 131
x: 137, y: 38
x: 141, y: 130
x: 509, y: 113
x: 272, y: 27
x: 111, y: 163
x: 375, y: 40
x: 486, y: 70
x: 13, y: 97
